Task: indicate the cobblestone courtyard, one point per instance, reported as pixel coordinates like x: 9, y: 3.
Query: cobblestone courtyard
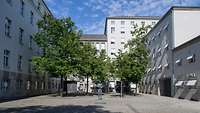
x: 109, y: 104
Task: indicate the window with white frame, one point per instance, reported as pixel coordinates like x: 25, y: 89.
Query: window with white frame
x: 122, y: 22
x: 191, y: 59
x: 8, y: 23
x: 112, y: 29
x: 179, y: 62
x: 112, y: 22
x: 6, y: 58
x: 132, y: 22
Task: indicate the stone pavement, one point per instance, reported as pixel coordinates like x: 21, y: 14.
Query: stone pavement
x: 109, y: 104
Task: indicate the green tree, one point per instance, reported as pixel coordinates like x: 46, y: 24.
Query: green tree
x: 59, y: 42
x: 87, y: 62
x: 131, y: 65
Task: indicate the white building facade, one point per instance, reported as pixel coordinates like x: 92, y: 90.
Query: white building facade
x: 18, y: 23
x: 178, y: 26
x: 118, y: 31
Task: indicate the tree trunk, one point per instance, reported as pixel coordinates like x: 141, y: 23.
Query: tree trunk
x: 87, y: 77
x: 121, y: 88
x: 136, y: 90
x: 61, y: 86
x: 66, y: 86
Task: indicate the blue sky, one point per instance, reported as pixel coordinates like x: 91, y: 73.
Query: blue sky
x: 89, y: 15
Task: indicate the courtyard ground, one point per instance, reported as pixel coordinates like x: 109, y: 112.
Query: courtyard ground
x: 109, y: 104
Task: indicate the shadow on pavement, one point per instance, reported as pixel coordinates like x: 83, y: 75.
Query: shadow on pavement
x: 57, y: 109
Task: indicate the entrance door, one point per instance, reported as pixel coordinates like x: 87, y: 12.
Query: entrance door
x: 165, y: 87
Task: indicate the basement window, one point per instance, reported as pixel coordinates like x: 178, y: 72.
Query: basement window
x: 191, y: 83
x: 178, y: 62
x: 179, y: 83
x: 191, y: 59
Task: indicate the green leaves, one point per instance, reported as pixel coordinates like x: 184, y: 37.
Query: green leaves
x: 131, y: 65
x: 59, y: 40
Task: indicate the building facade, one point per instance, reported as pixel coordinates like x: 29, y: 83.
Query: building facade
x: 118, y: 31
x: 99, y: 41
x: 18, y: 23
x: 187, y: 57
x: 178, y: 26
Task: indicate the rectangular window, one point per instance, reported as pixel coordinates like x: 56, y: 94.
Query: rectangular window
x: 19, y: 84
x: 5, y: 84
x: 28, y: 85
x: 122, y: 32
x: 31, y: 17
x: 21, y: 33
x: 142, y: 22
x: 179, y: 62
x: 8, y: 23
x: 132, y: 22
x: 22, y: 7
x: 112, y: 22
x: 39, y: 5
x: 112, y: 29
x: 6, y: 58
x: 122, y: 22
x: 30, y: 42
x: 19, y: 64
x: 191, y: 59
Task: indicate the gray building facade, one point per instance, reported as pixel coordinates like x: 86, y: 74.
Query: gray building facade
x: 178, y: 26
x: 18, y: 20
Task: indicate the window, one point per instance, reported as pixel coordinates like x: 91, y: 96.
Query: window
x: 6, y: 58
x: 39, y: 5
x: 132, y: 22
x: 5, y: 84
x: 31, y: 17
x: 153, y: 23
x: 30, y: 66
x: 36, y: 85
x: 112, y: 22
x: 19, y: 84
x: 19, y: 64
x: 22, y: 7
x: 28, y: 85
x: 8, y: 23
x: 142, y: 22
x: 122, y: 42
x: 30, y: 42
x: 178, y: 62
x: 112, y: 29
x: 122, y: 22
x: 113, y: 51
x: 122, y: 32
x: 21, y: 33
x: 112, y: 42
x: 191, y: 59
x: 9, y: 2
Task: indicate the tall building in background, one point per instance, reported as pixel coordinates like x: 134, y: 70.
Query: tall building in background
x: 18, y: 20
x: 118, y: 30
